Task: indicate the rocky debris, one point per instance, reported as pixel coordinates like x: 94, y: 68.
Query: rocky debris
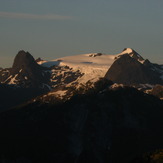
x: 95, y: 54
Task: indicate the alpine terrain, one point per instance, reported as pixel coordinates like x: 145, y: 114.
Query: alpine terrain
x: 95, y: 107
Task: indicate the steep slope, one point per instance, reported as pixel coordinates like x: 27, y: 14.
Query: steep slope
x: 121, y: 68
x: 11, y: 96
x: 26, y: 79
x: 100, y: 127
x: 70, y: 73
x: 25, y: 72
x: 130, y: 68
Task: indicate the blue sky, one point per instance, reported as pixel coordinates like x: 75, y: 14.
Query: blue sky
x: 55, y: 28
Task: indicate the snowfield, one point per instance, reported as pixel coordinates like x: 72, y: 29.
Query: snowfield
x: 92, y: 65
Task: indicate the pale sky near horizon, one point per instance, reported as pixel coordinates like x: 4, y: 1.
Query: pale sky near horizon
x: 55, y: 28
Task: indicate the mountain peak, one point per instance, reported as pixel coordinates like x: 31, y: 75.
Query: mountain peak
x: 132, y: 53
x: 127, y: 51
x: 23, y: 59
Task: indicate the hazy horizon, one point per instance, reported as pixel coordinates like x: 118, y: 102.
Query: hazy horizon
x: 51, y: 30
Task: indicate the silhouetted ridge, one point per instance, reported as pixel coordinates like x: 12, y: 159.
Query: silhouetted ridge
x: 23, y: 59
x: 26, y: 70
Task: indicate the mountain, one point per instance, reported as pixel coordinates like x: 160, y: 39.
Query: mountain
x: 93, y: 65
x: 26, y: 79
x: 127, y: 67
x: 100, y: 126
x: 69, y: 110
x: 55, y: 79
x: 130, y: 68
x: 25, y: 72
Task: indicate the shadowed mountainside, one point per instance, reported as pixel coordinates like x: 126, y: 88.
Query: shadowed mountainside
x: 100, y: 126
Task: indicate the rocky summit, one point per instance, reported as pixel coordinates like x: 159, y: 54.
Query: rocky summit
x: 130, y: 68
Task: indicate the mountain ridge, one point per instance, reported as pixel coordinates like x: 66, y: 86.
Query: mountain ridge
x: 55, y: 77
x: 108, y: 126
x: 76, y: 113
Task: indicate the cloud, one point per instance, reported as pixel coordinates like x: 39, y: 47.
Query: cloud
x: 13, y: 15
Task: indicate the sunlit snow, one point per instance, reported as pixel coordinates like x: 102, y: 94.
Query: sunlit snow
x: 92, y: 65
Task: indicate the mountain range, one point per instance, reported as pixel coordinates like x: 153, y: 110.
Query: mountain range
x: 86, y: 108
x: 37, y: 77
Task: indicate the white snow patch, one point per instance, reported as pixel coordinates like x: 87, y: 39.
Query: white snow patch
x: 7, y: 79
x: 127, y: 51
x: 41, y: 62
x: 93, y: 67
x: 60, y: 93
x: 13, y: 80
x: 50, y: 63
x: 141, y: 61
x: 130, y: 51
x: 116, y: 85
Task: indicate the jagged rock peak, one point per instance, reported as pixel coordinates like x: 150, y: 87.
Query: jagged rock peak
x: 132, y: 53
x: 23, y: 59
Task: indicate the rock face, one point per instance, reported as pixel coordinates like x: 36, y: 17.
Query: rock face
x: 132, y: 53
x: 26, y: 73
x: 28, y: 70
x: 23, y: 60
x: 130, y: 68
x: 28, y: 79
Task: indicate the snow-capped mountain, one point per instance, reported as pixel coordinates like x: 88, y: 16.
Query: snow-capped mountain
x: 60, y: 77
x: 60, y: 111
x: 130, y: 68
x: 26, y: 73
x: 127, y: 67
x: 93, y: 65
x: 26, y: 80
